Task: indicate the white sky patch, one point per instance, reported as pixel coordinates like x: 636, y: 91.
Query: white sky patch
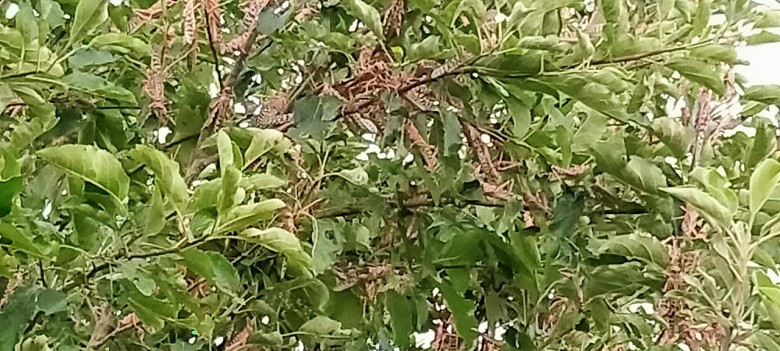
x: 116, y: 2
x: 11, y: 11
x: 219, y: 340
x: 47, y: 209
x: 424, y: 340
x: 162, y: 134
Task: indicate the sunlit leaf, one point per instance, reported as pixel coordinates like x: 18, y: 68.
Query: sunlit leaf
x: 94, y: 165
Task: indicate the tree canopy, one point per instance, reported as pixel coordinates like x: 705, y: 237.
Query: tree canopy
x: 342, y: 174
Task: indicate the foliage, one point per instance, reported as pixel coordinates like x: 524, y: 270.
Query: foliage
x: 331, y: 164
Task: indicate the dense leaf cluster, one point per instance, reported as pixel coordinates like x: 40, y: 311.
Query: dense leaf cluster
x: 341, y: 174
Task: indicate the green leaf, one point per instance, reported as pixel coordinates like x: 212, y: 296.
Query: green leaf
x: 41, y: 115
x: 90, y: 14
x: 702, y: 17
x: 520, y: 115
x: 462, y: 313
x: 259, y: 181
x: 121, y: 43
x: 313, y: 115
x: 768, y: 94
x: 715, y: 212
x: 26, y: 23
x: 717, y: 52
x: 226, y: 198
x: 763, y: 183
x: 17, y: 313
x: 717, y: 186
x: 428, y: 48
x: 643, y: 174
x: 645, y: 248
x: 263, y: 140
x: 626, y: 278
x: 98, y: 86
x: 154, y: 214
x: 698, y: 72
x: 763, y: 144
x: 52, y: 301
x: 320, y: 326
x: 214, y: 267
x: 768, y: 19
x: 9, y: 190
x: 167, y: 175
x: 225, y: 150
x: 676, y: 136
x: 400, y: 309
x: 664, y: 8
x: 324, y: 250
x: 225, y: 275
x: 452, y: 133
x: 94, y: 165
x: 366, y: 14
x: 615, y: 13
x: 763, y: 37
x: 356, y: 176
x: 284, y: 242
x: 241, y: 217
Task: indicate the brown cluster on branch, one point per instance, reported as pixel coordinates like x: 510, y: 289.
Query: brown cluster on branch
x: 213, y: 20
x: 427, y: 150
x: 190, y: 21
x: 238, y: 341
x: 360, y: 95
x: 144, y: 16
x: 273, y: 112
x: 393, y: 18
x: 156, y: 75
x: 368, y: 275
x: 251, y: 10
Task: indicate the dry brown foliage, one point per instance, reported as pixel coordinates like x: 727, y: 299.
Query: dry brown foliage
x: 569, y: 172
x: 238, y: 340
x: 190, y: 21
x: 144, y: 16
x: 156, y: 75
x: 273, y: 112
x: 213, y: 20
x: 427, y: 150
x: 372, y: 76
x: 13, y: 283
x: 252, y: 9
x: 393, y: 18
x: 221, y: 109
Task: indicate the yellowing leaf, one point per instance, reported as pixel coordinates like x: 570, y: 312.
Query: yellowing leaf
x: 94, y: 165
x: 240, y: 217
x: 763, y: 182
x: 284, y: 242
x: 167, y: 175
x: 121, y: 43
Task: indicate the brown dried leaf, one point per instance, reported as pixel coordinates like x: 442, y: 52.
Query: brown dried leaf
x: 190, y: 21
x: 427, y: 150
x: 213, y: 18
x: 393, y: 18
x: 238, y: 341
x: 570, y: 172
x: 248, y: 23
